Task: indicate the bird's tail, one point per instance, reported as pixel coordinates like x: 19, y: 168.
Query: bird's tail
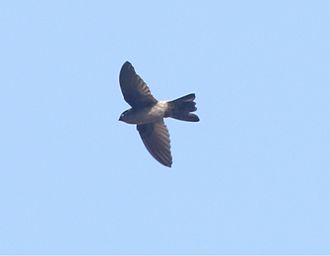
x: 181, y: 108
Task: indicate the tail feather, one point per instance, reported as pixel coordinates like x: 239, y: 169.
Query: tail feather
x: 182, y: 107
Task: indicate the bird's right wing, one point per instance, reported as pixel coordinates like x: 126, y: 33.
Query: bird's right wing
x: 156, y: 138
x: 134, y: 89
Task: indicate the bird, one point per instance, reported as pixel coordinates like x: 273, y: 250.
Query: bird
x: 148, y: 114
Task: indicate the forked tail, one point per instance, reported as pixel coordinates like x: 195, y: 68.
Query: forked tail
x: 181, y: 108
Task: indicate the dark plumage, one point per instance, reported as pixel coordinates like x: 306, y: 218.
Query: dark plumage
x: 148, y: 113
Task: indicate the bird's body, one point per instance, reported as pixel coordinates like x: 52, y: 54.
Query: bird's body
x: 145, y: 115
x: 148, y: 113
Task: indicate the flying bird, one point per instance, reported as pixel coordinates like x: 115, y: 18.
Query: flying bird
x: 148, y: 114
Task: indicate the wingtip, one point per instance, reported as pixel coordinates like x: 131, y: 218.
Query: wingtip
x: 166, y: 162
x: 126, y: 65
x: 125, y: 68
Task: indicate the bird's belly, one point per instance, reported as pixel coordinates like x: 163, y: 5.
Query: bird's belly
x: 148, y: 115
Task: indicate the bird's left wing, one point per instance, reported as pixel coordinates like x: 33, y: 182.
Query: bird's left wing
x: 156, y: 138
x: 134, y: 89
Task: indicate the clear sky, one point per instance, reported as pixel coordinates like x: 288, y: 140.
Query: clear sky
x: 252, y: 177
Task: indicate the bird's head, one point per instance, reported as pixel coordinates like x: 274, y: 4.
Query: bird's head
x: 122, y: 116
x: 128, y: 116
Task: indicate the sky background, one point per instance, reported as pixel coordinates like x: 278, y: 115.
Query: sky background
x: 252, y: 177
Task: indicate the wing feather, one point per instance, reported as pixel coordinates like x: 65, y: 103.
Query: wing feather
x: 134, y: 89
x: 156, y: 139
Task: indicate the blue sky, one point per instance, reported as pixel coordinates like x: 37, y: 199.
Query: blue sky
x: 251, y: 177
